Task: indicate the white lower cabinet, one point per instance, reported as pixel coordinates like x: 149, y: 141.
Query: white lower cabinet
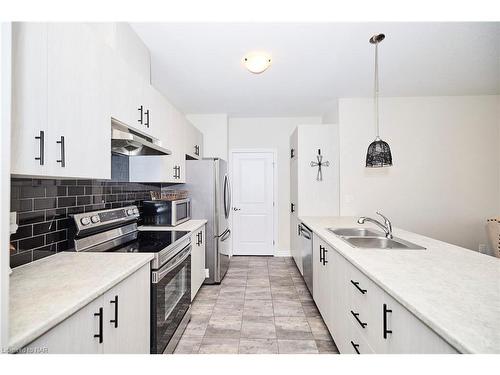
x: 295, y: 242
x: 197, y: 260
x: 361, y: 317
x: 116, y: 322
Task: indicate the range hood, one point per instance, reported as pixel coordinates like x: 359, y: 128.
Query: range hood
x: 131, y: 142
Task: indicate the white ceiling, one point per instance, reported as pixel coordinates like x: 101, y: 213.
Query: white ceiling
x: 198, y: 65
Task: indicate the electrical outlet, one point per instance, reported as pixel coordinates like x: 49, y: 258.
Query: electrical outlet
x: 482, y: 248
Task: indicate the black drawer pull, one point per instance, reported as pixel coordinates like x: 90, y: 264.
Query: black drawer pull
x: 292, y: 153
x: 63, y: 152
x: 147, y: 118
x: 115, y: 320
x: 356, y: 316
x: 386, y: 311
x: 292, y: 207
x: 41, y: 156
x: 355, y: 346
x: 324, y: 256
x: 141, y: 118
x: 321, y: 256
x: 356, y: 284
x: 99, y: 335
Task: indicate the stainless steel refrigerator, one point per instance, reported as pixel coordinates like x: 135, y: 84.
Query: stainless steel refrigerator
x: 210, y: 191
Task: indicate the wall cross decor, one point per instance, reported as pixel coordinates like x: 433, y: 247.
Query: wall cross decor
x: 320, y: 163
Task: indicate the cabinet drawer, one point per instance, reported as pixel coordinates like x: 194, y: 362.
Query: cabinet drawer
x: 384, y: 323
x: 356, y: 342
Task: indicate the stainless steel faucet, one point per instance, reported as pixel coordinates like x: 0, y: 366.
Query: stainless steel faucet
x: 387, y: 226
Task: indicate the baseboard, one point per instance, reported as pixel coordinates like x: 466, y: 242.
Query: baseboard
x: 282, y: 253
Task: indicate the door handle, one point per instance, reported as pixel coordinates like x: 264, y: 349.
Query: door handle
x: 63, y: 152
x: 141, y: 113
x: 115, y: 320
x: 147, y: 118
x: 292, y: 207
x: 99, y: 335
x: 236, y: 209
x: 356, y: 316
x: 386, y: 331
x: 356, y: 284
x: 355, y: 346
x: 41, y: 156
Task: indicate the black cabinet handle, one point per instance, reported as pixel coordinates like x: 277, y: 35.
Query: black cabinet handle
x: 99, y: 335
x: 41, y: 156
x: 292, y: 207
x: 356, y: 316
x: 179, y: 171
x: 292, y: 153
x: 324, y: 256
x: 198, y: 239
x: 386, y: 311
x: 197, y: 150
x: 321, y: 248
x: 356, y: 284
x: 355, y: 346
x: 141, y: 114
x: 115, y: 320
x: 201, y: 238
x: 147, y: 118
x: 63, y: 152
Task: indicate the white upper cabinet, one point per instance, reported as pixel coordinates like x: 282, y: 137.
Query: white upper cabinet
x: 61, y: 113
x: 193, y: 141
x: 127, y: 102
x: 29, y: 99
x: 78, y: 101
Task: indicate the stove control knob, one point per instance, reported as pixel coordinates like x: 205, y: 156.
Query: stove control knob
x: 95, y: 219
x: 85, y: 221
x: 136, y: 211
x: 130, y: 212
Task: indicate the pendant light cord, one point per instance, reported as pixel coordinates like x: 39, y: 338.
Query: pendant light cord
x: 375, y: 91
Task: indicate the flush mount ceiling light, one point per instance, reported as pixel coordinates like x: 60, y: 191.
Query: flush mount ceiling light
x: 257, y: 62
x: 379, y: 152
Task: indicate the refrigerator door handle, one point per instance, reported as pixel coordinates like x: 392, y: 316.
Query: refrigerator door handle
x: 225, y: 235
x: 226, y: 200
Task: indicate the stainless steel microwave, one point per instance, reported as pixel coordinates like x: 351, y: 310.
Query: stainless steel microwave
x: 166, y: 213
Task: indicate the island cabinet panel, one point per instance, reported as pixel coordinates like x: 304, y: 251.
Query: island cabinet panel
x: 364, y: 318
x: 116, y: 322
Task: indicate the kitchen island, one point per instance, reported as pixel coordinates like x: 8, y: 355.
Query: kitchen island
x: 452, y: 290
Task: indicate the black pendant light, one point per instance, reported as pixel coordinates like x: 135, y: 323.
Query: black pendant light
x: 379, y: 152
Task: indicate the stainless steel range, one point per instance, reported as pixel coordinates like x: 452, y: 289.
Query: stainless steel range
x: 115, y: 230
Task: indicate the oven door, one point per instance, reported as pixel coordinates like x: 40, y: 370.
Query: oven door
x: 181, y: 211
x: 170, y: 298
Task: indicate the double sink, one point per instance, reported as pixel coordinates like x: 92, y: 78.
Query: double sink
x: 364, y: 238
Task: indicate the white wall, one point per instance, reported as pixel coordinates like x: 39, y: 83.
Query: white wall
x: 271, y: 133
x: 215, y: 133
x: 445, y: 180
x: 6, y: 48
x: 331, y: 115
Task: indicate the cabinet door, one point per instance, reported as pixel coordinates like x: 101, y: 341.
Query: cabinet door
x: 127, y: 315
x: 195, y: 263
x: 75, y: 335
x: 127, y: 99
x: 155, y: 115
x: 78, y: 102
x: 197, y: 260
x: 29, y: 99
x: 193, y: 141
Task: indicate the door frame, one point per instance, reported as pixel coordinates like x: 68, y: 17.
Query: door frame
x: 274, y: 153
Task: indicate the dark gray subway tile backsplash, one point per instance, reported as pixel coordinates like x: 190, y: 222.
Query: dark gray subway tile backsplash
x: 44, y: 206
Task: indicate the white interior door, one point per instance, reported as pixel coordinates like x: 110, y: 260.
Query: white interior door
x: 253, y: 196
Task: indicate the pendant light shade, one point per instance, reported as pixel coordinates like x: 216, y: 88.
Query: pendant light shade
x: 379, y: 153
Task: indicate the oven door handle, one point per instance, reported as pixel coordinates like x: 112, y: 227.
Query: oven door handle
x: 156, y: 276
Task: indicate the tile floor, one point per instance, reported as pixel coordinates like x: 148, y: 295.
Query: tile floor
x: 261, y: 307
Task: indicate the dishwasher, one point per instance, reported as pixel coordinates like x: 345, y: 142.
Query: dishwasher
x: 306, y: 248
